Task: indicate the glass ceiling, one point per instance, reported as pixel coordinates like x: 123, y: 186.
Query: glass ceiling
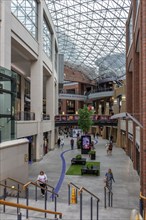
x: 91, y: 35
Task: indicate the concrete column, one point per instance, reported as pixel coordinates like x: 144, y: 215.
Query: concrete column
x: 5, y: 34
x: 37, y: 86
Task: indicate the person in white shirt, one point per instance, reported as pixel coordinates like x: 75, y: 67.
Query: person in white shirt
x: 62, y: 143
x: 42, y: 180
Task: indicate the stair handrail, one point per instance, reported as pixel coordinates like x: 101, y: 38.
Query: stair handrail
x: 110, y: 197
x: 25, y: 187
x: 45, y: 183
x: 73, y: 185
x: 21, y: 206
x: 35, y: 184
x: 14, y: 180
x: 76, y: 194
x: 91, y: 203
x: 84, y: 189
x: 10, y: 187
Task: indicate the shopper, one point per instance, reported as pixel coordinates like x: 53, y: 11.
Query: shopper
x: 62, y: 143
x: 72, y: 143
x: 42, y: 180
x: 109, y: 179
x: 58, y: 142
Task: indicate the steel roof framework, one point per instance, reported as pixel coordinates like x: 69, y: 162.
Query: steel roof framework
x: 91, y: 34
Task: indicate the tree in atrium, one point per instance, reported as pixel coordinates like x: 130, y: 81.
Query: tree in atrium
x: 85, y: 121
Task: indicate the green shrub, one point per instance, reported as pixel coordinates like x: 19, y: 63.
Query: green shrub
x: 79, y: 156
x: 92, y: 152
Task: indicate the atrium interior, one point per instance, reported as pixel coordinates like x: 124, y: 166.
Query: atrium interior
x: 57, y: 57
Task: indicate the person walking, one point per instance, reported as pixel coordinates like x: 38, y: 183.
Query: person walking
x: 109, y: 148
x: 72, y: 143
x: 109, y: 179
x: 62, y: 143
x: 58, y: 142
x: 42, y: 180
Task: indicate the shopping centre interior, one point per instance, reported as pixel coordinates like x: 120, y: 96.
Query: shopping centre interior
x: 56, y: 57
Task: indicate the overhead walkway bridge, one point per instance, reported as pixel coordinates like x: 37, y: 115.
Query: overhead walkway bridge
x: 100, y: 120
x: 87, y: 96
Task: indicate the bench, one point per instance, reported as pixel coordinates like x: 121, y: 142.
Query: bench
x: 95, y: 170
x: 81, y: 161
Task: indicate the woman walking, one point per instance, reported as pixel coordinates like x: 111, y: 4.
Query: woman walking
x: 109, y: 179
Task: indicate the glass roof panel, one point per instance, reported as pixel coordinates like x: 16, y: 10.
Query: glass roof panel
x: 91, y: 34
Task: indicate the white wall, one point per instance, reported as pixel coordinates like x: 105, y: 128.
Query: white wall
x: 13, y: 160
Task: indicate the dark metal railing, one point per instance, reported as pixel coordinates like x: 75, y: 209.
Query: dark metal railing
x: 91, y: 203
x: 18, y: 187
x: 55, y: 195
x: 108, y: 194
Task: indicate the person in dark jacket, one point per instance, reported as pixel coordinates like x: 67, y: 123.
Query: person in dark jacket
x: 72, y: 143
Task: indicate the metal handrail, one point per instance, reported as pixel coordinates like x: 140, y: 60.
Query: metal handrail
x: 35, y: 184
x: 110, y: 197
x: 45, y: 183
x: 25, y: 187
x: 91, y: 206
x: 73, y: 185
x: 14, y: 180
x: 10, y: 187
x: 82, y: 188
x: 3, y: 202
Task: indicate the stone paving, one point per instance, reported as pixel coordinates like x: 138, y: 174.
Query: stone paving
x: 56, y: 163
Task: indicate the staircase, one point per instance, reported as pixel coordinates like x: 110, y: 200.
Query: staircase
x: 79, y: 204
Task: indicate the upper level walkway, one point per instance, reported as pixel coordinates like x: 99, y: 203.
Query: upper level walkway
x: 102, y: 120
x: 100, y: 93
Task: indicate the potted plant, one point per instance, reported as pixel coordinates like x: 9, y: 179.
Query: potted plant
x: 92, y: 154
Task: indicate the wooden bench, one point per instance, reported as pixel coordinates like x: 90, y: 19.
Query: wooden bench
x: 95, y: 170
x: 78, y: 161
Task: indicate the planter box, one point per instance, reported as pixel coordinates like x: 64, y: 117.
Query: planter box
x: 78, y: 161
x: 95, y: 170
x: 92, y: 156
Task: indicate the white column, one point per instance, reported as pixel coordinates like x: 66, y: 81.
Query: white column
x: 5, y: 34
x: 37, y: 86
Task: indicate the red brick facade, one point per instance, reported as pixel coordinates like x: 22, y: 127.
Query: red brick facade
x: 136, y: 85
